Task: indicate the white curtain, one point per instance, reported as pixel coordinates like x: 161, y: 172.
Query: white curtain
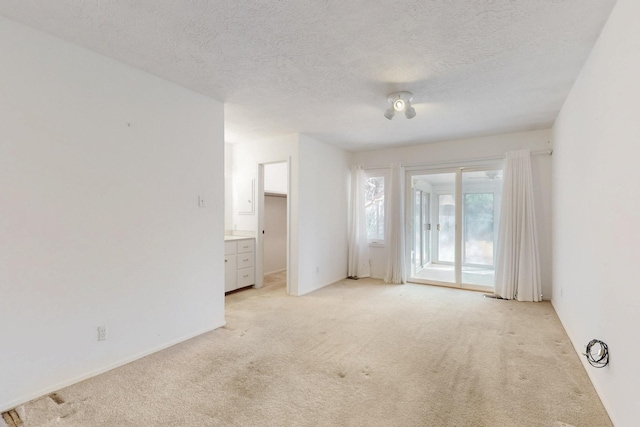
x: 394, y: 226
x: 358, y: 244
x: 518, y: 262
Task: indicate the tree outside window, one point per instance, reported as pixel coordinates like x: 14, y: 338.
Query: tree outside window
x: 374, y: 208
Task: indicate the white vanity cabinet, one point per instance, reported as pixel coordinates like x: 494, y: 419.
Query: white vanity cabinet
x: 230, y: 266
x: 239, y: 270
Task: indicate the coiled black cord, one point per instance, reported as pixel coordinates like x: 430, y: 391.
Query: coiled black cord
x: 602, y: 358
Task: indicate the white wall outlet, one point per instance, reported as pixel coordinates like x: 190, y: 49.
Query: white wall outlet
x: 317, y: 270
x: 201, y: 202
x: 102, y: 333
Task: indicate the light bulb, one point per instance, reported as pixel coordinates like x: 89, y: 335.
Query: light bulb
x: 410, y: 112
x: 398, y: 105
x: 389, y: 113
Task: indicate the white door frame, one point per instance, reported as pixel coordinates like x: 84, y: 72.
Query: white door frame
x: 409, y: 222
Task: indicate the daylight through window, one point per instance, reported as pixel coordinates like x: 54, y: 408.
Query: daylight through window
x: 374, y: 208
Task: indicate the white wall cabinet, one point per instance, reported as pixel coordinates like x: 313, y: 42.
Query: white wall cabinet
x: 239, y: 264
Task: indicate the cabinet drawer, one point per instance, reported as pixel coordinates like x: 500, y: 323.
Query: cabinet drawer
x: 245, y: 260
x: 245, y: 246
x: 246, y: 277
x: 230, y: 248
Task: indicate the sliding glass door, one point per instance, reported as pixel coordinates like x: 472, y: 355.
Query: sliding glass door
x: 482, y: 195
x: 446, y: 228
x: 433, y: 245
x: 443, y: 249
x: 422, y: 230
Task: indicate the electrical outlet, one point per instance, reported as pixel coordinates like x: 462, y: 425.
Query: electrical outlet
x: 317, y: 270
x: 201, y: 202
x: 102, y: 333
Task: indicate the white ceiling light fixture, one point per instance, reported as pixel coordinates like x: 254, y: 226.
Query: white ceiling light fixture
x: 400, y: 102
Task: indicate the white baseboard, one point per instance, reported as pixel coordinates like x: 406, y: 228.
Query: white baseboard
x: 47, y: 390
x: 276, y: 271
x: 578, y: 348
x: 322, y: 286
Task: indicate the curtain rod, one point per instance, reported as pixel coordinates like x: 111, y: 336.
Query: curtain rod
x: 448, y: 162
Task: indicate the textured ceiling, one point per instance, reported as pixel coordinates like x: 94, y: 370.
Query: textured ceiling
x: 325, y: 67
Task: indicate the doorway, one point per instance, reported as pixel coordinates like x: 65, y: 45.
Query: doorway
x: 452, y: 230
x: 273, y: 239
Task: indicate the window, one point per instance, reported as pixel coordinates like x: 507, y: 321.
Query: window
x: 374, y: 208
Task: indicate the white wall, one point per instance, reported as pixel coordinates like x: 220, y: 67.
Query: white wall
x: 276, y: 178
x: 597, y: 211
x: 246, y: 158
x: 319, y: 175
x: 455, y: 153
x: 324, y: 178
x: 101, y: 167
x: 228, y: 188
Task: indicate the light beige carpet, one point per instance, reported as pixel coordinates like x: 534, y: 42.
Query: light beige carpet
x: 276, y: 279
x: 356, y: 353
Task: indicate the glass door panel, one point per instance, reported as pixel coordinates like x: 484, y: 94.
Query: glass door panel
x: 426, y: 228
x: 434, y: 222
x: 481, y: 198
x: 421, y: 229
x: 417, y: 235
x: 446, y: 228
x: 478, y: 229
